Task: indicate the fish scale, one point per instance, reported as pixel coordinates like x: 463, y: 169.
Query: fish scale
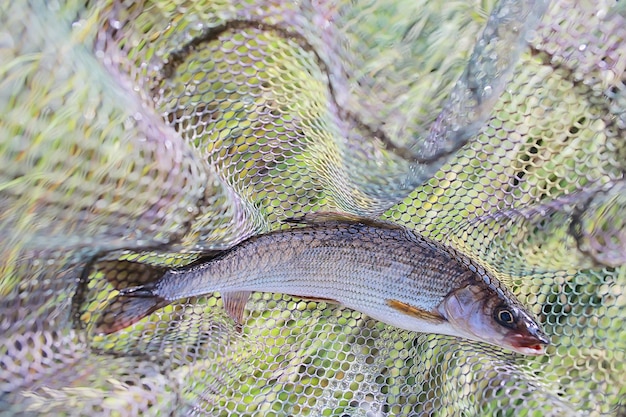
x: 346, y: 262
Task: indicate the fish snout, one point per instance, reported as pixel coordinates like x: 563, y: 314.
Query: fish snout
x: 542, y: 337
x: 534, y: 342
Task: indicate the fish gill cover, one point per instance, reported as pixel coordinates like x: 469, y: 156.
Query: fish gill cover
x: 136, y: 133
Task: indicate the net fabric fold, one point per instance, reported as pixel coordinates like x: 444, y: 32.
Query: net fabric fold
x: 136, y: 133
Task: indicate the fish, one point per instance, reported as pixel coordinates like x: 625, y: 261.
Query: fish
x: 379, y: 268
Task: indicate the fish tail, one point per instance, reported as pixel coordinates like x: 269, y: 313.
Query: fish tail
x: 127, y: 308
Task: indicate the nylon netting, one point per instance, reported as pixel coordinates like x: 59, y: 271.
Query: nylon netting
x: 157, y: 132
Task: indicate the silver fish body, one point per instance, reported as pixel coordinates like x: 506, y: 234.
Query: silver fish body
x: 383, y: 270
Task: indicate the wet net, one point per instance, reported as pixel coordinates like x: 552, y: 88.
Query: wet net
x: 153, y: 133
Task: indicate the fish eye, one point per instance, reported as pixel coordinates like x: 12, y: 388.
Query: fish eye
x: 504, y: 316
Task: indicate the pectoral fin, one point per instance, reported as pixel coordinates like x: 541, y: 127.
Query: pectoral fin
x: 235, y: 304
x: 415, y: 311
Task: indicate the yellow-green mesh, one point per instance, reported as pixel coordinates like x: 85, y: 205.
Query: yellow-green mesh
x: 158, y: 131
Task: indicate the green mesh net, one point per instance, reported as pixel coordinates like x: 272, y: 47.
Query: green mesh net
x: 159, y: 132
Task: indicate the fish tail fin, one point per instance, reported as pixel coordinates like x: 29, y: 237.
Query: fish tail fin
x: 124, y: 275
x: 128, y: 308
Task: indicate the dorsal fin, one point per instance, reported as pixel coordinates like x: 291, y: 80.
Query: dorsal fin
x: 331, y: 216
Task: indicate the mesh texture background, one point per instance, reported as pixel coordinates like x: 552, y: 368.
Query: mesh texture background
x: 159, y: 131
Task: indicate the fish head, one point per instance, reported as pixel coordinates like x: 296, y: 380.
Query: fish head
x: 479, y: 313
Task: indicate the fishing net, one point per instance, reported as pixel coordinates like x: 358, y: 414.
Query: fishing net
x: 153, y: 133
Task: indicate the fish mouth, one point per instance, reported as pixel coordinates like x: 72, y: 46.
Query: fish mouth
x: 529, y: 345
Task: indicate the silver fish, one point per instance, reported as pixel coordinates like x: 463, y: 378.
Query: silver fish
x: 378, y: 268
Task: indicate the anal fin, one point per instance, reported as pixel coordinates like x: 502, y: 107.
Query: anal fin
x: 235, y: 304
x: 415, y: 311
